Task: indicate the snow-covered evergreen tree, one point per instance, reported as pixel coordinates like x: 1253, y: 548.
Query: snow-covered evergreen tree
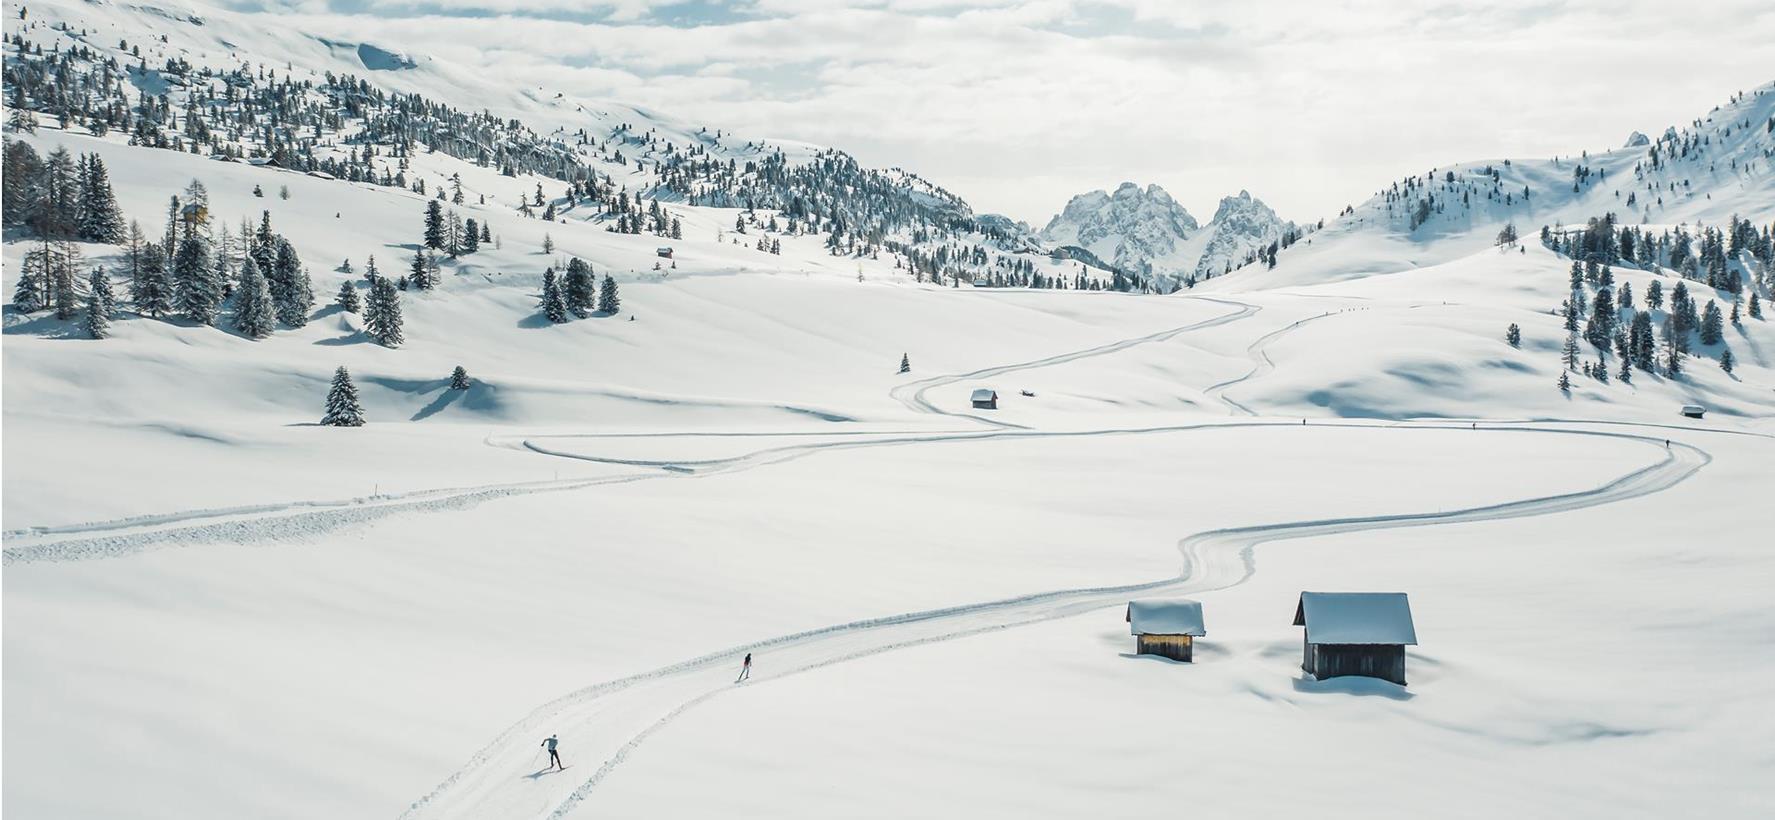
x: 347, y: 300
x: 1726, y: 360
x: 434, y: 225
x: 609, y: 302
x: 99, y: 305
x: 255, y: 315
x: 343, y: 409
x: 152, y: 288
x: 100, y: 218
x: 199, y: 295
x: 1712, y: 324
x: 459, y: 379
x: 554, y: 305
x: 579, y: 288
x: 1512, y: 335
x: 382, y: 313
x: 906, y: 362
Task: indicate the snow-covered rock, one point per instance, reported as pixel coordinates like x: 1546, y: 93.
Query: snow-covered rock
x: 1242, y: 224
x: 1129, y: 228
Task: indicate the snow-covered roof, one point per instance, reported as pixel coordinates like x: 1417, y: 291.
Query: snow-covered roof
x: 984, y: 394
x: 1177, y: 616
x: 1356, y: 617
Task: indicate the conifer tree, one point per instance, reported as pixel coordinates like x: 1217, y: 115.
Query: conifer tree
x: 1726, y: 361
x: 1655, y: 295
x: 548, y: 244
x: 199, y: 295
x: 100, y: 304
x: 382, y: 313
x: 343, y: 409
x: 1756, y: 306
x: 459, y: 379
x: 1570, y: 352
x: 434, y: 225
x: 1712, y: 325
x: 152, y: 288
x: 554, y: 306
x: 579, y: 288
x: 255, y: 315
x: 1512, y: 335
x: 1565, y: 381
x: 420, y: 274
x: 471, y: 236
x: 608, y: 300
x: 347, y: 298
x: 100, y: 218
x: 906, y: 362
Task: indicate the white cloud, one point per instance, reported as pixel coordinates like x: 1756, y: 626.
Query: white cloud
x: 1016, y: 105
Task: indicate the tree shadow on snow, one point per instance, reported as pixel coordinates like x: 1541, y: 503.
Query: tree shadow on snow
x: 444, y: 399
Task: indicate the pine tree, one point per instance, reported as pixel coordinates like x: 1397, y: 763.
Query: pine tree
x: 347, y: 298
x: 1602, y: 321
x: 434, y: 225
x: 152, y: 289
x: 579, y: 288
x: 1712, y: 325
x: 471, y: 236
x: 100, y: 218
x: 343, y: 409
x: 1565, y: 382
x: 100, y: 304
x: 421, y: 271
x: 382, y: 313
x: 1726, y: 360
x: 459, y: 379
x: 1737, y: 317
x: 292, y: 292
x: 23, y: 191
x: 194, y: 279
x: 1626, y: 375
x: 548, y: 244
x: 1756, y: 306
x: 1513, y: 335
x: 608, y: 300
x: 906, y: 362
x: 1655, y: 295
x: 554, y: 306
x: 1570, y: 353
x: 255, y: 316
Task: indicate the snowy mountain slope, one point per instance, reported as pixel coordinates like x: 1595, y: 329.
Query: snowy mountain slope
x: 1146, y: 230
x: 1715, y: 167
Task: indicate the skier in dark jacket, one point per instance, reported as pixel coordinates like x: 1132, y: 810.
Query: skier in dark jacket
x: 745, y: 668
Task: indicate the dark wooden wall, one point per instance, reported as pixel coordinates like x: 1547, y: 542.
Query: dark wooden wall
x: 1331, y: 660
x: 1175, y: 647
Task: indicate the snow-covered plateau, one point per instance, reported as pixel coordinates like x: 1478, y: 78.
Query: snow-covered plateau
x: 753, y: 430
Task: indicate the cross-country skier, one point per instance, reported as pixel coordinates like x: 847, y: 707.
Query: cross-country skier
x: 554, y: 756
x: 745, y: 668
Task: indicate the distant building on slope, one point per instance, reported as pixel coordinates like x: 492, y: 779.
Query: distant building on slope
x: 1355, y: 633
x: 986, y: 398
x: 1166, y: 627
x: 663, y: 253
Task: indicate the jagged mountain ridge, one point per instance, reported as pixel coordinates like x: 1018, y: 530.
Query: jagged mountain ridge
x: 1147, y: 230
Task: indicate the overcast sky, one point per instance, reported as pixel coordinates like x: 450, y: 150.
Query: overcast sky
x: 1016, y: 106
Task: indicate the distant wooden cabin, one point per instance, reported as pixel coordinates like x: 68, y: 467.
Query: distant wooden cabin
x: 986, y: 398
x: 1166, y: 627
x: 1355, y: 633
x: 663, y: 253
x: 1694, y: 411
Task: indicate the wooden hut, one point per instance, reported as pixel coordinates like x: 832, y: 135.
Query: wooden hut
x: 1166, y: 627
x: 986, y: 398
x: 663, y: 253
x: 1694, y: 411
x: 1355, y: 633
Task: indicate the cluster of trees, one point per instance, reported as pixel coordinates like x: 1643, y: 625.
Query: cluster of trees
x: 343, y: 409
x: 577, y: 293
x: 60, y: 201
x: 449, y: 233
x: 1670, y: 327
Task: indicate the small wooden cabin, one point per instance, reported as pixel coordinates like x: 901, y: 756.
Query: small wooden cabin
x: 1694, y: 411
x: 663, y: 253
x: 986, y: 398
x: 1355, y: 633
x: 1166, y: 627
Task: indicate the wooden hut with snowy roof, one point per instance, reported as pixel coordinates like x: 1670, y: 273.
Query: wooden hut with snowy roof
x: 1166, y: 627
x: 984, y: 398
x: 1355, y: 633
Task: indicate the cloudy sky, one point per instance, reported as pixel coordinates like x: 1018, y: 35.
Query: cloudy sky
x: 1016, y: 105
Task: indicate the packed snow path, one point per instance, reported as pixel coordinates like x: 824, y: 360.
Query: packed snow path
x: 604, y: 723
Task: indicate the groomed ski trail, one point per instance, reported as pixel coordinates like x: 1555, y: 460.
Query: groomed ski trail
x: 912, y: 394
x: 608, y: 721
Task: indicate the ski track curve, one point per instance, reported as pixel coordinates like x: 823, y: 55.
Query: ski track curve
x: 612, y: 719
x: 912, y: 394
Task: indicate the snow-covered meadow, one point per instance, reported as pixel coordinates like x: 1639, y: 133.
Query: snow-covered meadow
x: 216, y: 607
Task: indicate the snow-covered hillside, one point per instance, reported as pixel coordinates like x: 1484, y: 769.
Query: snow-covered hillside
x: 767, y: 441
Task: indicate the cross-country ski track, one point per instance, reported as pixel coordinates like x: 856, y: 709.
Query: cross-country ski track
x: 607, y: 721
